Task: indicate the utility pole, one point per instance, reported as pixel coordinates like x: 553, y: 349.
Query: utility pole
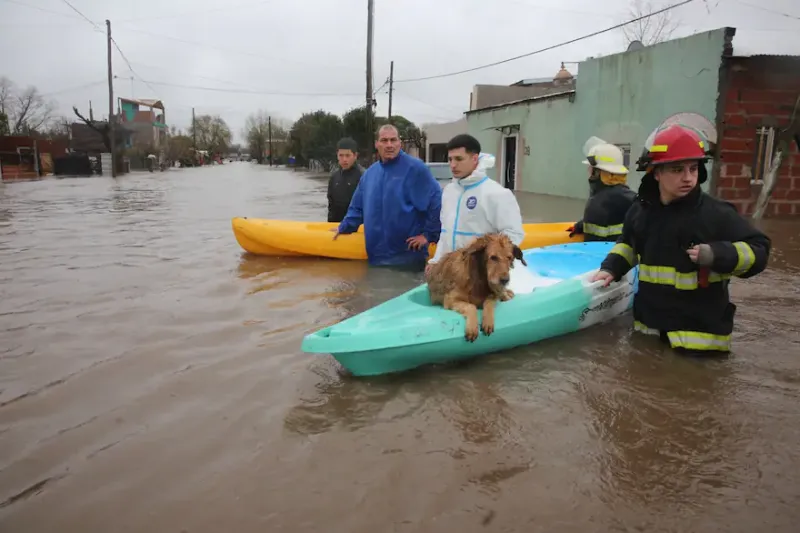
x: 370, y: 13
x: 111, y: 132
x: 391, y: 87
x: 269, y: 125
x: 194, y: 132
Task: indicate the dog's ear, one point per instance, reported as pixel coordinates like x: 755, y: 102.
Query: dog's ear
x: 478, y: 245
x: 518, y: 255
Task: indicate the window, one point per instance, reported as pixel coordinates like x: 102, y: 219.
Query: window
x: 626, y: 154
x: 765, y: 147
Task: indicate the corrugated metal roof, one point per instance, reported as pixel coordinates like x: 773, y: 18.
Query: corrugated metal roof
x: 522, y: 101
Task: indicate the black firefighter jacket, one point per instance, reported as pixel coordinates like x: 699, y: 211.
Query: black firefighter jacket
x: 341, y: 186
x: 605, y: 212
x: 687, y: 304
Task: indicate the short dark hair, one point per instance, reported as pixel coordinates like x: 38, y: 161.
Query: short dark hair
x: 469, y: 143
x: 347, y: 143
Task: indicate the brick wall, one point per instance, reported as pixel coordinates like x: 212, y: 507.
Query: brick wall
x: 759, y: 92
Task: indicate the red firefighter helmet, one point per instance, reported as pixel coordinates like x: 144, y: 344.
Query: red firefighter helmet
x: 672, y: 144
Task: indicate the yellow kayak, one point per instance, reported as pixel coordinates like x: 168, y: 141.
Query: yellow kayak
x: 293, y: 238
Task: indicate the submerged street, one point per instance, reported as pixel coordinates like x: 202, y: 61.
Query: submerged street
x: 151, y: 379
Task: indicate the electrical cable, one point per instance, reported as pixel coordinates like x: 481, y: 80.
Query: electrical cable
x: 551, y: 47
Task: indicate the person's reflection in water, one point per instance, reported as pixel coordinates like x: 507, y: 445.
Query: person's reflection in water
x: 664, y: 422
x: 379, y: 285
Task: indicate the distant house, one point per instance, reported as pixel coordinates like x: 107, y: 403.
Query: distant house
x: 147, y: 126
x: 84, y: 139
x: 483, y: 96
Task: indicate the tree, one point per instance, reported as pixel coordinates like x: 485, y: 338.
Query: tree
x: 355, y: 126
x: 212, y: 134
x: 257, y: 133
x: 314, y: 136
x: 26, y: 111
x: 179, y: 148
x: 4, y: 129
x: 650, y: 30
x: 354, y: 122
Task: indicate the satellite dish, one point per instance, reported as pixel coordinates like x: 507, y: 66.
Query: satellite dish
x: 635, y: 45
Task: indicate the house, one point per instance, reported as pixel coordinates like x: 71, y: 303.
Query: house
x: 485, y: 96
x: 25, y: 157
x: 149, y: 128
x: 623, y: 97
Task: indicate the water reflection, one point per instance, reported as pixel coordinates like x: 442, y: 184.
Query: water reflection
x: 471, y: 406
x: 126, y: 200
x: 663, y: 422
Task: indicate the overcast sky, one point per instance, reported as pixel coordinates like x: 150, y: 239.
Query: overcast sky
x: 246, y: 49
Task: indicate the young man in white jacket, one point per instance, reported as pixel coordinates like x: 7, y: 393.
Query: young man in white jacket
x: 472, y: 203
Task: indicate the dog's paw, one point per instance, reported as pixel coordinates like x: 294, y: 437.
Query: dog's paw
x: 471, y: 332
x: 507, y: 295
x: 487, y: 326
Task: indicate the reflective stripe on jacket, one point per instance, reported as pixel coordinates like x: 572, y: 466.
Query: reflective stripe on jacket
x: 690, y: 304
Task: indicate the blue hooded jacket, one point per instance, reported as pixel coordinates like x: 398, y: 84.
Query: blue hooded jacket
x: 395, y: 200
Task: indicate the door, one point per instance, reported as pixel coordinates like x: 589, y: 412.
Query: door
x: 510, y: 162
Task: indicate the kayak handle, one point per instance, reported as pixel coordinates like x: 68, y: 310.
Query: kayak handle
x: 597, y: 284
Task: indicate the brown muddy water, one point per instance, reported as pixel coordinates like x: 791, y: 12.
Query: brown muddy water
x: 151, y: 381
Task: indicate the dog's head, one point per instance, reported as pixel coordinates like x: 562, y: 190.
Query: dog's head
x: 494, y: 254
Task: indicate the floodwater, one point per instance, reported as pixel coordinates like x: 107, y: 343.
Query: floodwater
x: 151, y: 381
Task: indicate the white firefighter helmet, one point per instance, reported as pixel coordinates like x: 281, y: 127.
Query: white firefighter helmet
x: 604, y: 156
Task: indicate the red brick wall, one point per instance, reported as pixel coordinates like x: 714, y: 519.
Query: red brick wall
x: 759, y: 91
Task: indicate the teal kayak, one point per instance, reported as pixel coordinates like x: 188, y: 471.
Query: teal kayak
x: 553, y: 296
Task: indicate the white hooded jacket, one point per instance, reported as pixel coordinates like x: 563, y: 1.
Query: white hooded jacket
x: 474, y: 206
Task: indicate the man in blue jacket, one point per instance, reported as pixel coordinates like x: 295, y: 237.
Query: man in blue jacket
x: 398, y: 200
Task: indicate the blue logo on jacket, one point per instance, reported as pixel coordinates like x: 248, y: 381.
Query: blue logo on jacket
x: 472, y: 202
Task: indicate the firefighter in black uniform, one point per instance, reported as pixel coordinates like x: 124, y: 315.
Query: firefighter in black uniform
x: 609, y: 196
x: 343, y: 181
x: 688, y: 246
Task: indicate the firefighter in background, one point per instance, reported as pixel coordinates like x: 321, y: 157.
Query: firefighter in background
x: 609, y: 196
x: 689, y: 245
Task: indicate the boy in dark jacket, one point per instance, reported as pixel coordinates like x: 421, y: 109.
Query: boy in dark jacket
x: 343, y: 181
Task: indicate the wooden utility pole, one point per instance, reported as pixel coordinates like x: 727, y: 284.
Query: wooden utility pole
x: 194, y: 132
x: 111, y: 133
x: 370, y: 14
x: 269, y: 126
x: 391, y: 87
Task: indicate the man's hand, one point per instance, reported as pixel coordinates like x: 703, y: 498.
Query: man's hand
x: 416, y: 243
x: 701, y: 254
x: 335, y: 233
x: 602, y: 275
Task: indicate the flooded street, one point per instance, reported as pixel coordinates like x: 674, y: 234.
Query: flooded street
x: 151, y: 380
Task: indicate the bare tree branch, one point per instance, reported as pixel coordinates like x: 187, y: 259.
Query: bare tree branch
x: 651, y: 30
x: 102, y: 130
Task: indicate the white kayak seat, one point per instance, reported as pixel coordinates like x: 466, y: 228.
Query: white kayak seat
x: 524, y: 281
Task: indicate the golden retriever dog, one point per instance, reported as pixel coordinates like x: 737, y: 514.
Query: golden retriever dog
x: 475, y: 277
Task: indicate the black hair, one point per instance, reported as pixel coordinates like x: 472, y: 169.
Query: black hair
x: 469, y: 143
x: 347, y: 143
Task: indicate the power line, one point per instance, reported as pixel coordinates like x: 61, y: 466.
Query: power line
x: 240, y: 91
x: 233, y: 50
x: 130, y: 67
x: 94, y: 24
x: 42, y: 9
x: 552, y: 47
x: 70, y: 89
x: 195, y: 12
x: 768, y: 10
